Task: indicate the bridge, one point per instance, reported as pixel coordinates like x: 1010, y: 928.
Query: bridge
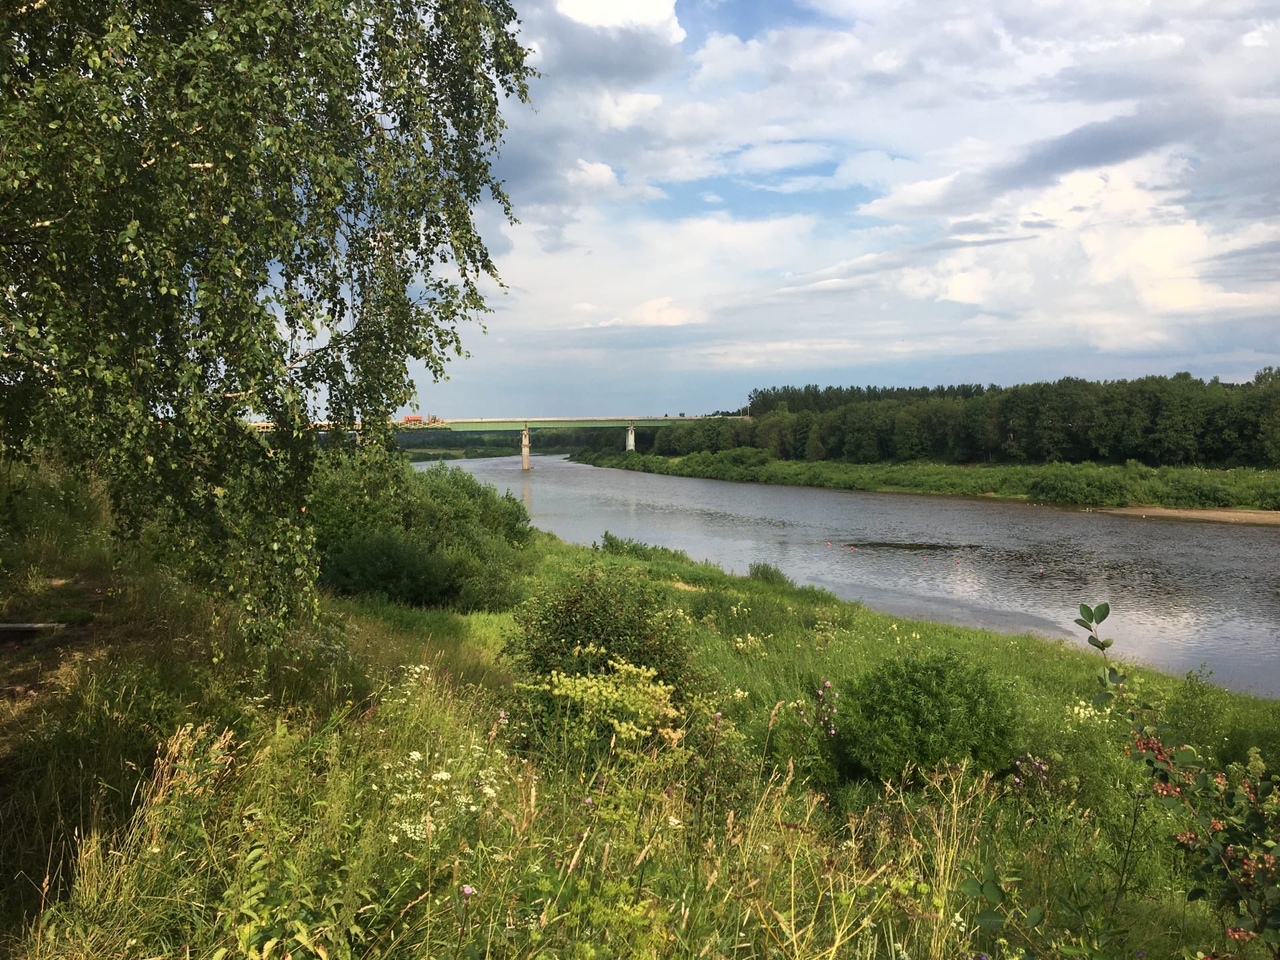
x: 525, y: 424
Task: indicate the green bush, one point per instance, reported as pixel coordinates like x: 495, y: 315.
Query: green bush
x: 391, y: 563
x: 768, y: 573
x: 601, y: 615
x: 420, y: 537
x: 920, y: 710
x: 1079, y: 483
x: 627, y: 547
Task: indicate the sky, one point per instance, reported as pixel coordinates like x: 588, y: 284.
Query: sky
x: 719, y: 195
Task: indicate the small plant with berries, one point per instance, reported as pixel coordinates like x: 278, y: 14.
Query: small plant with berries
x: 1234, y: 819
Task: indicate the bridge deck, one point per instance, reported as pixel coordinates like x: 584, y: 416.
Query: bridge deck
x: 546, y: 423
x: 491, y: 425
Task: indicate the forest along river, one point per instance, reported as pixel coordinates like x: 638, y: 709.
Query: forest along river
x: 1182, y: 593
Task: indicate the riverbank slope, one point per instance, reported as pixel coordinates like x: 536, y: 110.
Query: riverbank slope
x: 396, y: 781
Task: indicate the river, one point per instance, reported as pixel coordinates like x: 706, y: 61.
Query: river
x: 1182, y: 594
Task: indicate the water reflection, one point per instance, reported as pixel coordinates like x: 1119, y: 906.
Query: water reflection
x: 1182, y: 593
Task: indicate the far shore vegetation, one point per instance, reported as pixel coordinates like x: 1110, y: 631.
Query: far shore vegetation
x: 1081, y: 484
x: 1175, y: 442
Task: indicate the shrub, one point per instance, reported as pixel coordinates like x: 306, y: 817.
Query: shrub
x: 1079, y: 483
x: 388, y: 562
x: 603, y: 615
x: 626, y: 706
x: 768, y: 573
x: 920, y: 710
x: 627, y: 547
x: 420, y: 537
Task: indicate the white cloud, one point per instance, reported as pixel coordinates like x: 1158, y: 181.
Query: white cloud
x: 922, y: 195
x: 598, y: 177
x: 1261, y: 36
x: 724, y: 56
x: 650, y: 14
x: 593, y: 180
x: 618, y: 111
x: 769, y: 157
x: 659, y: 312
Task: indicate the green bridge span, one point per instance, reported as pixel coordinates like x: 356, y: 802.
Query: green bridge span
x: 526, y: 424
x: 547, y: 423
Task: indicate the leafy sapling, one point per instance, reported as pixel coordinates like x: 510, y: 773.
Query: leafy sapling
x: 1109, y: 678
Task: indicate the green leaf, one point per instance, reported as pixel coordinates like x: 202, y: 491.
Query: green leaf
x: 1084, y: 623
x: 992, y: 893
x: 1100, y: 612
x: 1196, y: 893
x: 1095, y: 642
x: 1086, y: 613
x: 989, y: 920
x: 1035, y: 917
x: 971, y: 888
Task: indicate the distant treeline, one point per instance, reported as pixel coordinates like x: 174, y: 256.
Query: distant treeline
x: 1157, y: 421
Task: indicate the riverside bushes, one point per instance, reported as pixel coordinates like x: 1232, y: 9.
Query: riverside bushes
x: 920, y: 710
x: 421, y: 537
x: 600, y: 617
x: 1084, y: 484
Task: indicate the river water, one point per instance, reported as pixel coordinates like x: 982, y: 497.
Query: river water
x: 1182, y: 594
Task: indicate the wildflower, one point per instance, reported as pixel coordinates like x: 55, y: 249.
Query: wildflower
x: 414, y: 757
x: 468, y: 891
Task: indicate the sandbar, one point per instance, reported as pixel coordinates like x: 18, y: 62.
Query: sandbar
x: 1265, y: 518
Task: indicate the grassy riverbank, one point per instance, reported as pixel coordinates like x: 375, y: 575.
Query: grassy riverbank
x: 1084, y: 484
x: 396, y: 781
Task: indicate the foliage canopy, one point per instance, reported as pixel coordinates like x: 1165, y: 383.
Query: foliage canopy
x: 213, y: 212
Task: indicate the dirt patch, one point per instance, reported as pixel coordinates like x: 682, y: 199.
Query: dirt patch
x: 41, y: 629
x: 1265, y: 518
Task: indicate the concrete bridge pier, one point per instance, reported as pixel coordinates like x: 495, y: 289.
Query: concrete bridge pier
x: 631, y: 438
x: 524, y: 449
